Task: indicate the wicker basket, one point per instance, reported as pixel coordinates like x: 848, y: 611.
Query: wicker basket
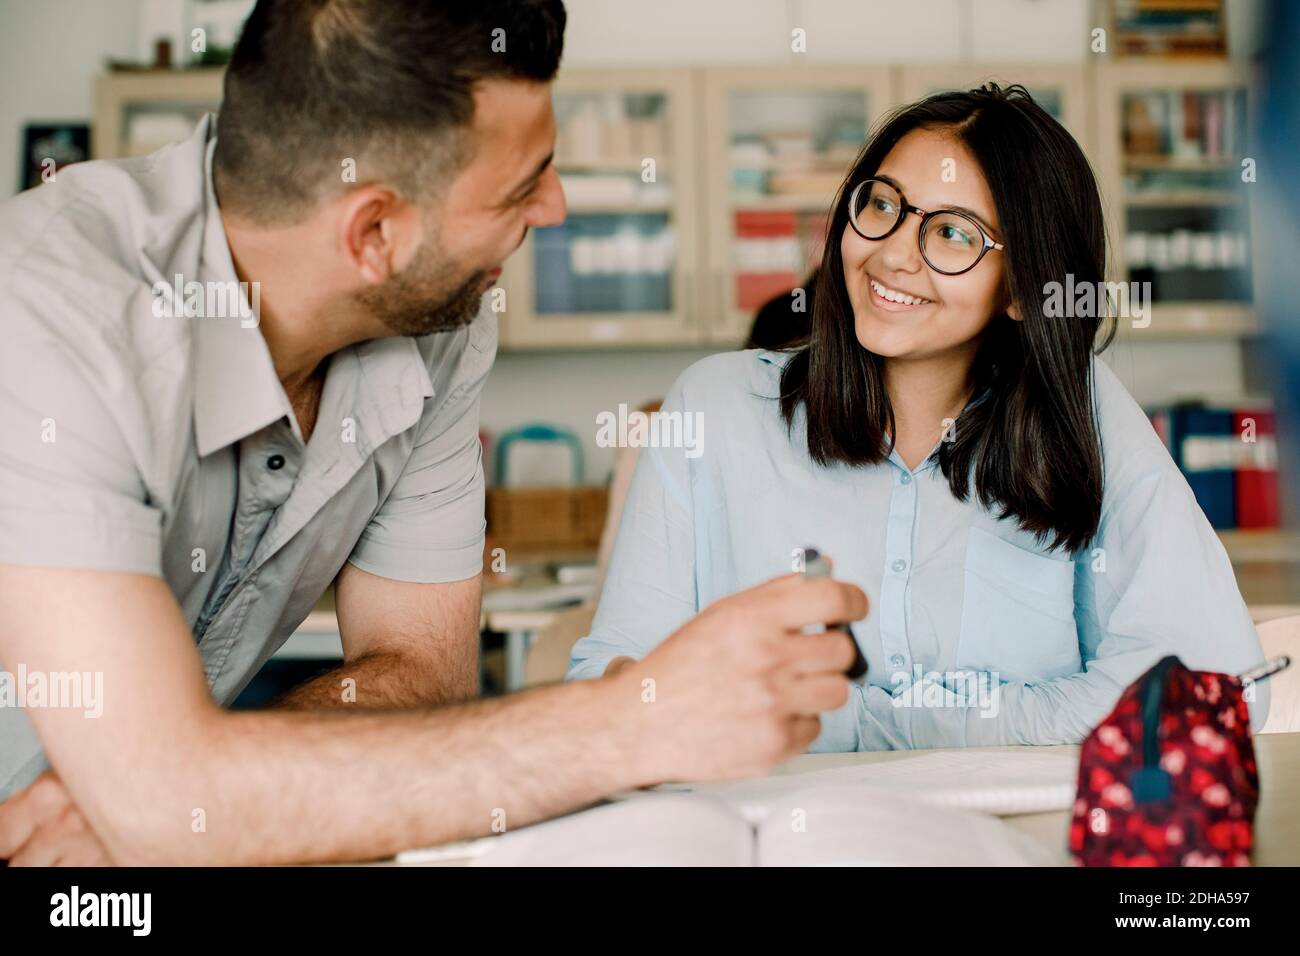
x: 546, y: 518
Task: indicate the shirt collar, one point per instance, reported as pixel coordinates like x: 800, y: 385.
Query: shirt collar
x: 395, y: 382
x: 770, y: 357
x: 236, y: 390
x: 781, y: 359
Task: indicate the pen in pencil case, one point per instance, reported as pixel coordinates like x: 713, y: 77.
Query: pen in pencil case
x: 1266, y: 670
x: 815, y: 566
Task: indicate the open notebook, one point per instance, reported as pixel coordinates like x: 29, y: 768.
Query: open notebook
x: 915, y: 811
x: 999, y: 782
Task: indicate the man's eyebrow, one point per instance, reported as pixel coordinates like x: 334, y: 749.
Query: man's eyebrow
x: 531, y: 178
x: 964, y: 210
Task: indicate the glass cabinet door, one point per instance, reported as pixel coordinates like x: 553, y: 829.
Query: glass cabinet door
x: 1176, y: 138
x: 778, y: 152
x: 1186, y: 222
x: 616, y: 272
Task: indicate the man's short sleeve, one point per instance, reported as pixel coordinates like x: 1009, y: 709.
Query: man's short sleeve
x: 430, y: 528
x: 71, y: 495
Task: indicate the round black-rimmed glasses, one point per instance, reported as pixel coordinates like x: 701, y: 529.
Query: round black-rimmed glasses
x: 951, y: 242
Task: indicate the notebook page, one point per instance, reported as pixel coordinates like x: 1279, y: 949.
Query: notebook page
x: 657, y: 830
x: 855, y: 825
x: 1001, y: 783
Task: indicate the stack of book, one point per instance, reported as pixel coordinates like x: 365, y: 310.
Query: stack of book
x: 1183, y: 125
x: 766, y: 253
x: 1170, y: 28
x: 1230, y: 459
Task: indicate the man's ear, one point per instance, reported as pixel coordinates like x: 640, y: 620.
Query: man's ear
x: 378, y: 232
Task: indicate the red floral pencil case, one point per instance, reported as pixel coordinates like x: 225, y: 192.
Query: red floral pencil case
x: 1169, y: 777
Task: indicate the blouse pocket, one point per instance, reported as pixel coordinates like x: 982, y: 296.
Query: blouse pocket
x: 1017, y: 616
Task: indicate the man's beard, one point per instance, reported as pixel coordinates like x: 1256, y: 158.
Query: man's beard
x: 427, y: 296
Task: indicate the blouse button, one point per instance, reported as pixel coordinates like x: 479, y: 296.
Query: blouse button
x: 899, y: 566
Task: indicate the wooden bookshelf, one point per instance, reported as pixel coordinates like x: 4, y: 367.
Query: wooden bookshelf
x: 118, y: 96
x: 703, y: 203
x: 1181, y: 204
x: 1273, y: 546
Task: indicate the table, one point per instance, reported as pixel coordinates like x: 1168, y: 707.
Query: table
x: 1277, y: 821
x: 521, y: 629
x: 317, y: 637
x: 524, y: 619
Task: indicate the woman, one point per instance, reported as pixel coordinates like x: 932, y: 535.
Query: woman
x: 1027, y: 544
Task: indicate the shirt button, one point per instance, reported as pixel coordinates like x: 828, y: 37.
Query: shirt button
x: 900, y: 565
x: 896, y: 660
x: 906, y: 479
x: 275, y: 462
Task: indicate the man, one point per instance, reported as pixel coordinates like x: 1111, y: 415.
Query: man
x: 178, y: 487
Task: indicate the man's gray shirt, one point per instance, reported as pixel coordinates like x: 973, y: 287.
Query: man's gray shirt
x: 134, y: 438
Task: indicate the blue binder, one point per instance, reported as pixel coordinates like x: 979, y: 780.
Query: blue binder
x: 1204, y: 446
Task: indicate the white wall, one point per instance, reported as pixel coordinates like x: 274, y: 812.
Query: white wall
x: 50, y: 53
x: 837, y: 31
x: 746, y: 31
x: 175, y: 19
x: 571, y: 388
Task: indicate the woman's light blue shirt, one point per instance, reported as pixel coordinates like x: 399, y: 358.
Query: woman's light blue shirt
x: 977, y: 634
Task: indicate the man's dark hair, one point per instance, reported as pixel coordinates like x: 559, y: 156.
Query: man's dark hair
x: 386, y: 83
x: 1027, y: 443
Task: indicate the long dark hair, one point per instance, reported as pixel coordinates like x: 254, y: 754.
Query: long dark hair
x: 1028, y: 435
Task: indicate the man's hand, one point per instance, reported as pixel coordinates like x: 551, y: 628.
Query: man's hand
x: 40, y: 826
x: 738, y: 688
x: 736, y: 691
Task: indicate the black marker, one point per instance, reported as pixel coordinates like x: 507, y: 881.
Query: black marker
x: 815, y: 566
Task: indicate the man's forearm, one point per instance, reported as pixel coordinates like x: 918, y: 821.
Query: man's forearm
x: 384, y: 679
x: 284, y: 787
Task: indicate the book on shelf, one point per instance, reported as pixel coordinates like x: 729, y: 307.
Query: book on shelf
x: 1257, y: 486
x: 1191, y: 28
x: 1229, y: 457
x: 765, y: 247
x: 1178, y: 125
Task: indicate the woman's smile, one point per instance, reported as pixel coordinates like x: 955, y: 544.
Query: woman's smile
x: 888, y: 299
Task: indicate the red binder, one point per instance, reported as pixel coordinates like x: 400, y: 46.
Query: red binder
x: 1257, y: 478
